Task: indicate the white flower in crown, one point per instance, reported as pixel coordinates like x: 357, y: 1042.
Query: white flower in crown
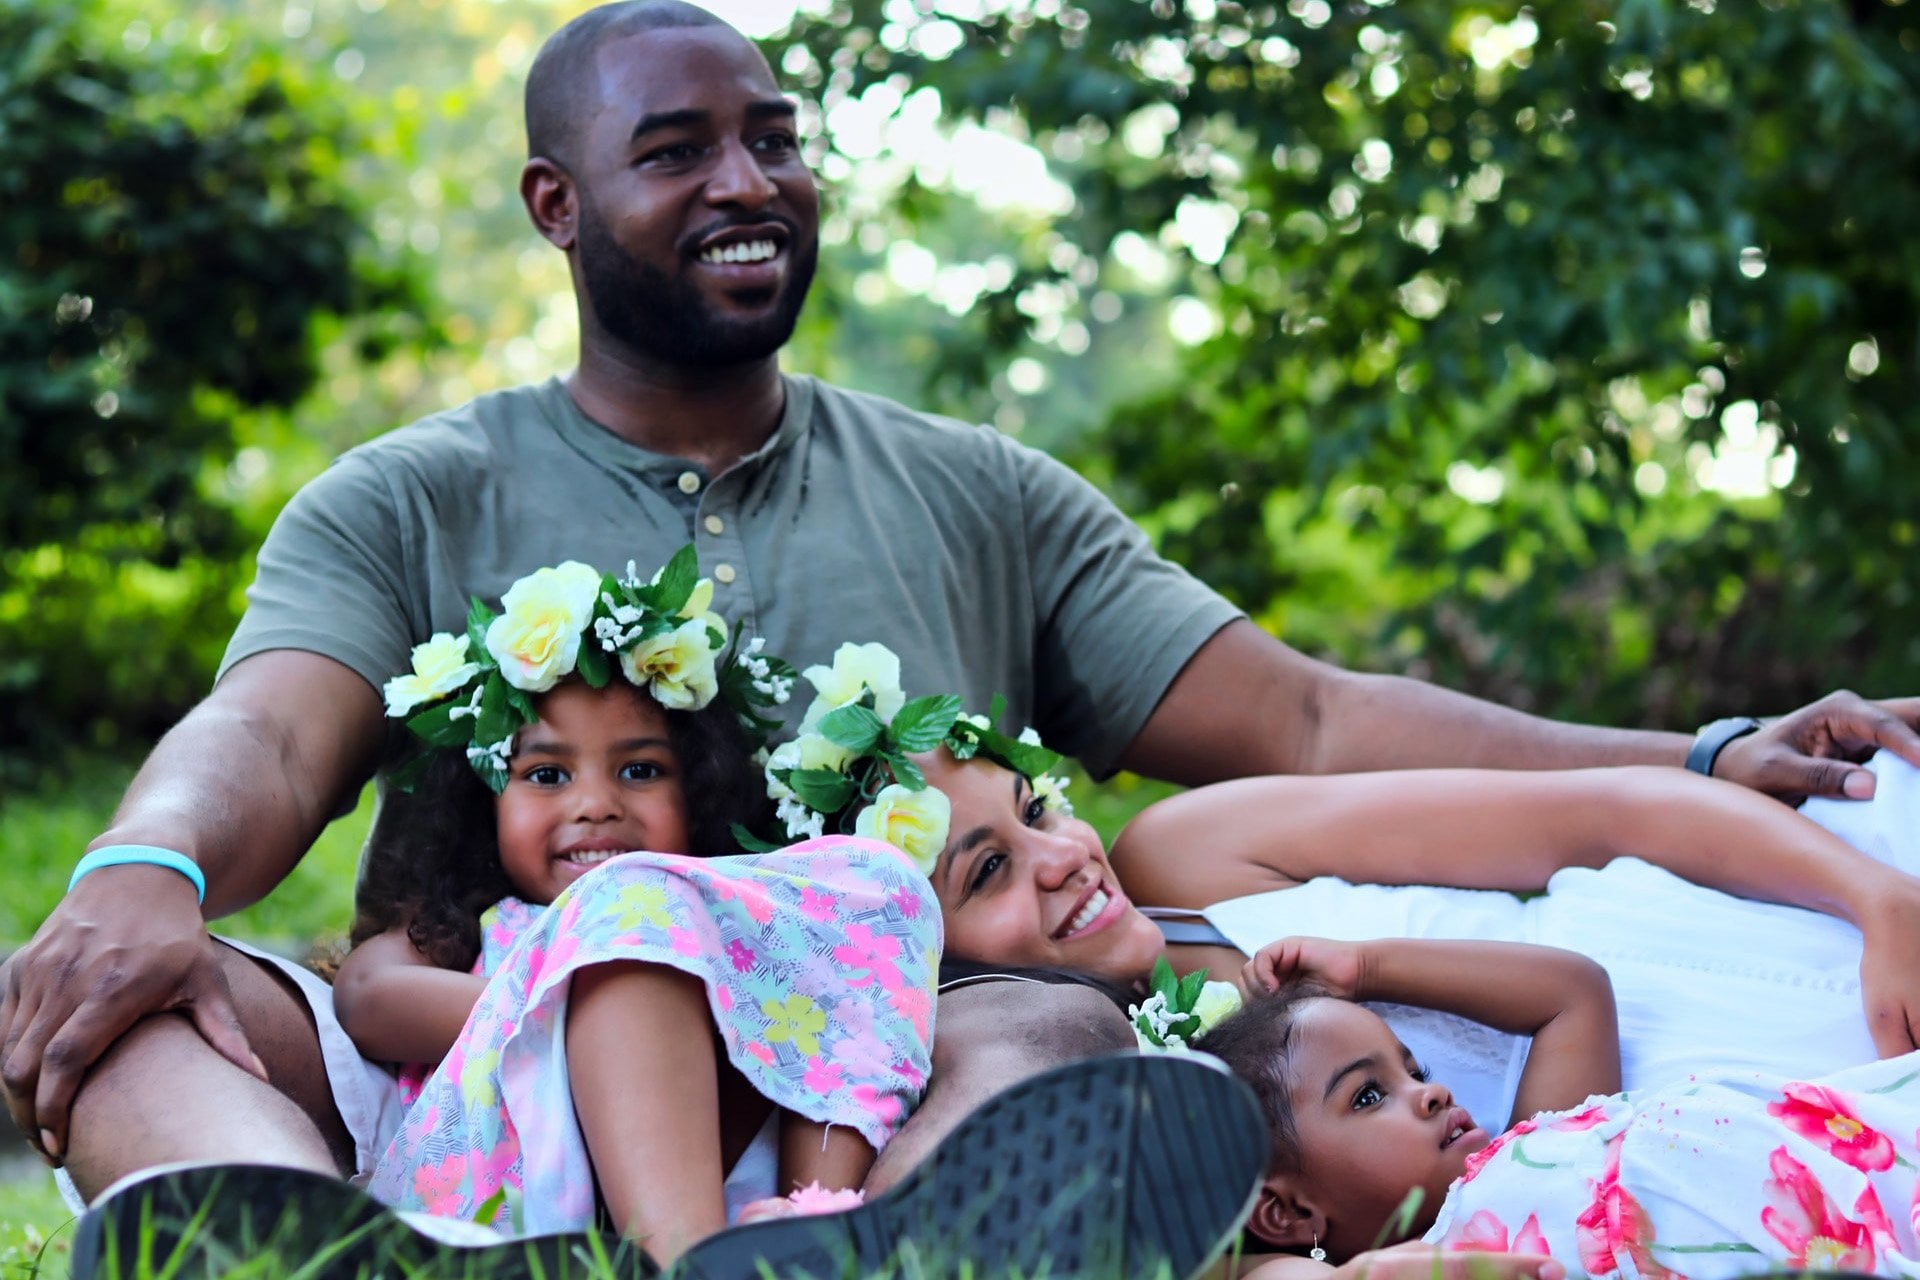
x: 676, y: 667
x: 1151, y: 1019
x: 856, y: 668
x: 799, y: 822
x: 914, y: 822
x: 536, y: 638
x: 439, y: 667
x: 808, y: 751
x: 1052, y: 792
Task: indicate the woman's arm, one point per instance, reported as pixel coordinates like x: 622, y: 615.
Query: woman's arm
x: 1513, y: 830
x: 398, y: 1005
x: 1481, y: 829
x: 1561, y: 999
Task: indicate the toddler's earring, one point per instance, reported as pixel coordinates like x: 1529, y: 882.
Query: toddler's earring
x: 1317, y: 1253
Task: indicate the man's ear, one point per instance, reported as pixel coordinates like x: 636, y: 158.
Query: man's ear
x: 552, y: 200
x: 1285, y: 1217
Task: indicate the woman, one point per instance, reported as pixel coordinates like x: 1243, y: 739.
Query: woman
x: 1638, y: 865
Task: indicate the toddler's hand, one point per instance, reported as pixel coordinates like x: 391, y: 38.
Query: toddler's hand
x: 1416, y: 1261
x: 1338, y: 966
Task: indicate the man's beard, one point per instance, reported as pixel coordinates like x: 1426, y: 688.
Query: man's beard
x: 665, y: 317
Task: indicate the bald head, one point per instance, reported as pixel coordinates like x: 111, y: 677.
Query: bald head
x: 561, y: 84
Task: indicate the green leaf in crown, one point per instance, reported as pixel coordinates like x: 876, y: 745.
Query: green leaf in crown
x: 475, y: 690
x: 863, y: 731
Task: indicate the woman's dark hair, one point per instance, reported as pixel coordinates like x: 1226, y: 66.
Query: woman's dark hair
x: 1256, y: 1044
x: 432, y: 862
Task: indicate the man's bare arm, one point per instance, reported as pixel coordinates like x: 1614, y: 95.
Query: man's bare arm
x: 1247, y: 704
x: 242, y: 786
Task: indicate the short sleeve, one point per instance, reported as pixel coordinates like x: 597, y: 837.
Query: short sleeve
x: 1115, y: 621
x: 330, y: 577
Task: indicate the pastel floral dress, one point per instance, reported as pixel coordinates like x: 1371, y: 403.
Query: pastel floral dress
x: 820, y: 963
x: 1709, y: 1178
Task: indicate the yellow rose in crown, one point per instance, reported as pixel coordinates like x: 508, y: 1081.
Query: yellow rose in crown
x: 439, y: 667
x: 676, y: 667
x: 536, y: 638
x: 1217, y: 1000
x: 914, y: 822
x: 856, y: 668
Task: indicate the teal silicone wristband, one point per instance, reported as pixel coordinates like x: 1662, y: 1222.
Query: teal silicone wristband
x: 119, y: 855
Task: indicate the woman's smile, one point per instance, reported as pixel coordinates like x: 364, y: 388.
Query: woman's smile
x: 1101, y: 905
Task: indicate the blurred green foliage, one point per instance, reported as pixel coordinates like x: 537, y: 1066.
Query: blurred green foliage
x: 1565, y: 352
x: 180, y: 239
x: 1562, y: 352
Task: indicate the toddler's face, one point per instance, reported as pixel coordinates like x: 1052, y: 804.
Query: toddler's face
x: 1371, y: 1127
x: 596, y: 775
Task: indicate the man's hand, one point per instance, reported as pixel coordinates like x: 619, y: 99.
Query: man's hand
x: 127, y: 942
x: 1337, y: 966
x: 1816, y: 750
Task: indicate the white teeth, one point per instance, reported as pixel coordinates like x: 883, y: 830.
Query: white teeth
x: 751, y: 251
x: 589, y: 858
x: 1085, y: 915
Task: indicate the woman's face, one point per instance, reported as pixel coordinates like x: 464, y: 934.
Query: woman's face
x: 1022, y: 885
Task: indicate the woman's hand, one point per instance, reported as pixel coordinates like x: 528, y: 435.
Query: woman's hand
x: 1890, y: 966
x: 1337, y: 966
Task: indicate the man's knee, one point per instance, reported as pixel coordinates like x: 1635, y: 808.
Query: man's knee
x: 162, y: 1094
x: 1044, y: 1024
x: 990, y: 1036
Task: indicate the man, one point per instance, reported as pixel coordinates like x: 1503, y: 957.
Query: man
x: 664, y: 163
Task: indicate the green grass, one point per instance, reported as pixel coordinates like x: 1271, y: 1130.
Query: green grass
x: 43, y: 834
x: 35, y: 1229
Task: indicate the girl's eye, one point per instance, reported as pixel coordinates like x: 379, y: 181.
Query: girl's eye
x: 778, y: 142
x: 546, y: 775
x: 1034, y: 810
x: 1370, y: 1095
x: 989, y: 865
x: 1421, y: 1074
x: 641, y: 771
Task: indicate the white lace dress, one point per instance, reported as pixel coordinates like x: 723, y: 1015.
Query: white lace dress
x: 1704, y: 981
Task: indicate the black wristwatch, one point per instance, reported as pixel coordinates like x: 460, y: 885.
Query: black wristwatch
x: 1713, y: 738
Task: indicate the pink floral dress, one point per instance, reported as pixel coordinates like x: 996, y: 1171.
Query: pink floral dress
x: 820, y: 963
x: 1709, y: 1178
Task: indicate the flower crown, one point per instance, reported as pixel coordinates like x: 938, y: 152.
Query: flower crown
x: 475, y: 691
x: 849, y: 769
x: 1178, y: 1011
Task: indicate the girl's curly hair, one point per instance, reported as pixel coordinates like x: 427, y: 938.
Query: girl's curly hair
x: 432, y: 861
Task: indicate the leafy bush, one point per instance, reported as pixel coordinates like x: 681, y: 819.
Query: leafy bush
x: 180, y: 240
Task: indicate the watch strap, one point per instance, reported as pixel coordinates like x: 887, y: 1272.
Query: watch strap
x: 1713, y: 738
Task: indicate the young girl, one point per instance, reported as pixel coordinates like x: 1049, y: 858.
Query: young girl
x: 610, y: 1013
x: 1712, y: 1175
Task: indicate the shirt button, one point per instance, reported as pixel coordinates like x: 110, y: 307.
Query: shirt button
x: 716, y: 525
x: 723, y: 573
x: 689, y: 482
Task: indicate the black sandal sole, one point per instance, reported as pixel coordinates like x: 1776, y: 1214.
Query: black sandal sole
x: 1129, y: 1166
